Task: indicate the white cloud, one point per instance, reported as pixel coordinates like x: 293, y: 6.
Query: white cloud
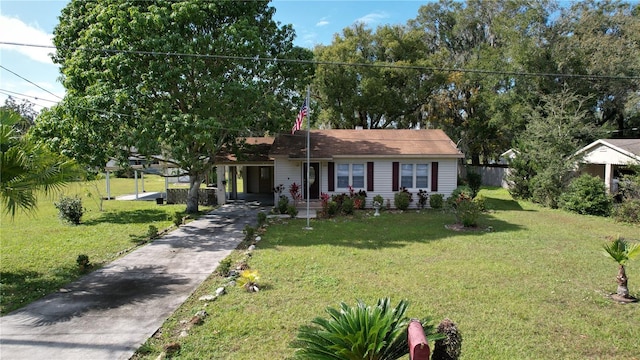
x: 372, y: 18
x: 15, y: 31
x: 322, y: 22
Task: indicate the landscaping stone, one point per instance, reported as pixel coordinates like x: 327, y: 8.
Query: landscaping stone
x: 207, y: 298
x: 220, y: 291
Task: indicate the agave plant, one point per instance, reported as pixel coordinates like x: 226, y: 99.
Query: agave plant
x: 621, y: 251
x: 362, y: 332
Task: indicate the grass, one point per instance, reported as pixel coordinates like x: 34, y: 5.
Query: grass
x: 535, y: 287
x: 39, y: 251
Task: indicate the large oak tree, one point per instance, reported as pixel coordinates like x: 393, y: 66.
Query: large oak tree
x: 180, y: 79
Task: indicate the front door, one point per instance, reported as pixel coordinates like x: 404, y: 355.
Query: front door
x: 314, y: 184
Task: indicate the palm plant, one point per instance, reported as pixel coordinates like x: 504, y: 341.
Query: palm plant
x: 362, y: 332
x: 26, y: 167
x: 622, y: 251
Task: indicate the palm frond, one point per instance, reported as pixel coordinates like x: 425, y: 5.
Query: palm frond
x: 353, y: 333
x: 617, y: 250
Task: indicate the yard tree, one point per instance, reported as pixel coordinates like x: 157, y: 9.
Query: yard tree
x: 177, y: 79
x: 544, y: 162
x: 26, y: 111
x: 601, y: 38
x: 355, y: 89
x: 481, y: 104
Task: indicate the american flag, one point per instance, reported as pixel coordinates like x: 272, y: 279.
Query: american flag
x: 301, y: 115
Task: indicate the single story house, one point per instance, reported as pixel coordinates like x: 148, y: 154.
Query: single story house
x: 378, y: 161
x: 609, y: 158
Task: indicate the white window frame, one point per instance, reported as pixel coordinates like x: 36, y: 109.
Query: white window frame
x: 414, y: 175
x: 351, y: 176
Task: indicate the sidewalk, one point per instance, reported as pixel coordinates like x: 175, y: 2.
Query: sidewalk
x: 109, y: 313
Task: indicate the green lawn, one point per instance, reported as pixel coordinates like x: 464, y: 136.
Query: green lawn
x: 534, y: 288
x: 39, y: 251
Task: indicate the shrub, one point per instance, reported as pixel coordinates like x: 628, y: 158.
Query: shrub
x: 262, y: 218
x: 332, y: 208
x: 178, y: 218
x: 360, y: 332
x: 481, y: 202
x: 249, y: 231
x: 83, y: 262
x: 436, y: 201
x: 292, y: 211
x: 423, y: 197
x: 152, y: 232
x: 283, y: 204
x: 224, y: 266
x: 586, y: 195
x: 466, y: 210
x: 402, y: 199
x: 295, y: 192
x: 455, y: 194
x: 628, y: 211
x: 474, y: 180
x: 348, y: 206
x: 70, y: 209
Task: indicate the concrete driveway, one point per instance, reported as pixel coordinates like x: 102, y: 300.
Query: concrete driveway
x: 110, y: 312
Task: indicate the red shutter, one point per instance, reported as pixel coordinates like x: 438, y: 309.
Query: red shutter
x: 395, y: 181
x: 331, y: 181
x: 434, y: 176
x: 370, y: 176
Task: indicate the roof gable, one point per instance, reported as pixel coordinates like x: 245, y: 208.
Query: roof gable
x: 611, y: 151
x: 328, y: 144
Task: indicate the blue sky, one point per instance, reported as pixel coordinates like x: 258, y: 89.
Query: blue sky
x: 33, y: 21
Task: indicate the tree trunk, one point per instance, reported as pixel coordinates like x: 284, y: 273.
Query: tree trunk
x: 623, y: 289
x: 192, y: 196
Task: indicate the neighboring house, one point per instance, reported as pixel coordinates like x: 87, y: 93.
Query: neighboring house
x: 609, y: 158
x: 377, y: 161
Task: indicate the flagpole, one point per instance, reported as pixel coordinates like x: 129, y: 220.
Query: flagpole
x: 308, y: 151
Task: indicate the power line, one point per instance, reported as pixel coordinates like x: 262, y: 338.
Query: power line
x: 30, y: 82
x: 13, y: 93
x: 334, y: 63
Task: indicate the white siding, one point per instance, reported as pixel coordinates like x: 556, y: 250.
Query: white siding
x: 287, y: 172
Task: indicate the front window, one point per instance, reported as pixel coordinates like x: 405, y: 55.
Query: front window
x: 414, y: 176
x: 357, y: 175
x: 406, y: 176
x: 343, y: 175
x: 350, y: 175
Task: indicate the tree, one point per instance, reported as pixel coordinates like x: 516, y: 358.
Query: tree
x: 600, y: 38
x: 482, y: 109
x: 26, y: 111
x: 367, y: 93
x: 622, y: 251
x: 556, y: 129
x: 27, y: 167
x: 176, y: 79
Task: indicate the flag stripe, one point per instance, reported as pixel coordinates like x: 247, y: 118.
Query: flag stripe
x: 303, y: 112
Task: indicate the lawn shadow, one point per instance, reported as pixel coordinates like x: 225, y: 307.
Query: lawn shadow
x: 390, y: 230
x: 19, y: 288
x: 129, y: 217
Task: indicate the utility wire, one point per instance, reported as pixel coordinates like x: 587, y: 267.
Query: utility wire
x: 332, y: 63
x: 31, y: 82
x: 13, y: 93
